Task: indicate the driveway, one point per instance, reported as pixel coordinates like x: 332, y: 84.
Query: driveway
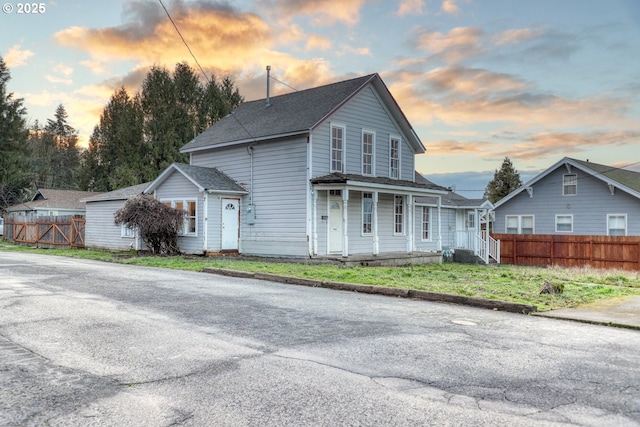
x: 92, y: 343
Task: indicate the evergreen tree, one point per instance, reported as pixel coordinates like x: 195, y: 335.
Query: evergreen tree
x: 504, y: 182
x: 66, y: 154
x: 14, y: 161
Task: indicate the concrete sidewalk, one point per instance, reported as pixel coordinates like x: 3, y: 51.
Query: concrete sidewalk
x: 620, y: 312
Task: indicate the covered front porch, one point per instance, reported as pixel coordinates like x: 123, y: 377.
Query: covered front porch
x: 353, y: 216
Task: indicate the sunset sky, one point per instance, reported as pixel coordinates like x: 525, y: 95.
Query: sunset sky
x: 478, y: 79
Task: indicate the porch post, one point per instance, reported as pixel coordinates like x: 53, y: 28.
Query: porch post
x: 374, y: 219
x: 439, y: 238
x: 205, y: 215
x: 345, y: 216
x: 314, y: 222
x: 410, y: 222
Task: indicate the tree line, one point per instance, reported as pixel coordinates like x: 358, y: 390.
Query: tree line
x: 138, y: 135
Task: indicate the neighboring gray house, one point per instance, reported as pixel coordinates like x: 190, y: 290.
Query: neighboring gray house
x: 48, y: 202
x: 100, y: 230
x: 323, y: 171
x: 573, y: 197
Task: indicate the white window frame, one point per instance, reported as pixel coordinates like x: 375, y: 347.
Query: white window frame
x: 372, y: 155
x: 394, y: 162
x: 342, y: 149
x: 519, y: 219
x: 367, y: 217
x: 570, y: 216
x: 398, y: 215
x: 573, y: 183
x: 187, y: 217
x: 626, y: 224
x: 425, y: 230
x: 127, y: 232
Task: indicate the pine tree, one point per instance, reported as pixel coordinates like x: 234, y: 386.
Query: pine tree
x: 504, y: 182
x: 14, y: 161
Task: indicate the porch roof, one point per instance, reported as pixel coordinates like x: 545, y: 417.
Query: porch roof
x: 377, y: 183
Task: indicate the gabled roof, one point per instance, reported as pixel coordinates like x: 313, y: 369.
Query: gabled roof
x: 119, y: 194
x: 623, y: 179
x: 45, y: 198
x: 205, y: 179
x: 295, y: 113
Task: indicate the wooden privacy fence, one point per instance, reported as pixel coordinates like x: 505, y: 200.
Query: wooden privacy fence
x: 570, y: 251
x: 61, y: 232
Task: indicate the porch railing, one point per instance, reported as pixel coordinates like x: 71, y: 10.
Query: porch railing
x: 482, y: 244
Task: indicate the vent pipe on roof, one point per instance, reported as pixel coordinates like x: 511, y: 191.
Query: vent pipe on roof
x: 268, y: 83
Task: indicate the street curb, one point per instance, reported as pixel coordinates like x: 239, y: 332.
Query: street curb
x: 381, y: 290
x: 589, y: 321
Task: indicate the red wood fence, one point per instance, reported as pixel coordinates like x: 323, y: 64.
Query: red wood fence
x: 62, y: 232
x: 570, y: 251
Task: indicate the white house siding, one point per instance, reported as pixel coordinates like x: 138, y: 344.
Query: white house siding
x: 364, y: 111
x: 177, y: 188
x: 431, y: 244
x: 103, y: 233
x: 279, y: 194
x: 589, y: 206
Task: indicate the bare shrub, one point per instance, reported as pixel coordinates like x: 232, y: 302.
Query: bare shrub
x: 157, y: 223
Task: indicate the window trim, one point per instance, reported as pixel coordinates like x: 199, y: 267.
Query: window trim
x: 185, y: 224
x: 427, y: 210
x: 401, y: 215
x: 565, y: 185
x: 126, y: 232
x: 520, y: 217
x: 342, y: 149
x: 364, y: 214
x: 392, y: 139
x: 372, y: 154
x: 571, y: 223
x: 626, y: 223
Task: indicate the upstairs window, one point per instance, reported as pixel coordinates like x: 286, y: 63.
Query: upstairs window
x: 569, y: 184
x: 337, y: 148
x: 367, y: 153
x: 394, y: 157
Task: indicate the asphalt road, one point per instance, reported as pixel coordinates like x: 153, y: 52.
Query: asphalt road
x: 91, y: 343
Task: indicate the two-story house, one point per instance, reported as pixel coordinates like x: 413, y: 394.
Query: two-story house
x: 324, y: 171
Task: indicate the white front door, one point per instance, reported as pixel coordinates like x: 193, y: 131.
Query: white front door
x: 335, y: 224
x: 230, y: 224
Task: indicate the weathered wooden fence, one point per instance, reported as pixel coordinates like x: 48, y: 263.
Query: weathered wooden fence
x: 62, y: 232
x: 570, y: 251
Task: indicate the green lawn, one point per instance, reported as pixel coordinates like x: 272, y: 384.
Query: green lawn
x: 503, y: 282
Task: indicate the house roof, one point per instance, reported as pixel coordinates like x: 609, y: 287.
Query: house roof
x: 120, y: 194
x: 295, y: 113
x: 623, y: 179
x: 206, y: 179
x: 353, y: 179
x: 45, y: 198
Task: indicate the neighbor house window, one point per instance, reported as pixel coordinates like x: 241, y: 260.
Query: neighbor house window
x: 190, y: 208
x: 617, y: 224
x: 398, y: 208
x: 564, y: 223
x: 425, y: 223
x: 367, y: 213
x: 394, y: 157
x: 569, y: 184
x: 367, y: 152
x: 337, y: 148
x: 519, y: 224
